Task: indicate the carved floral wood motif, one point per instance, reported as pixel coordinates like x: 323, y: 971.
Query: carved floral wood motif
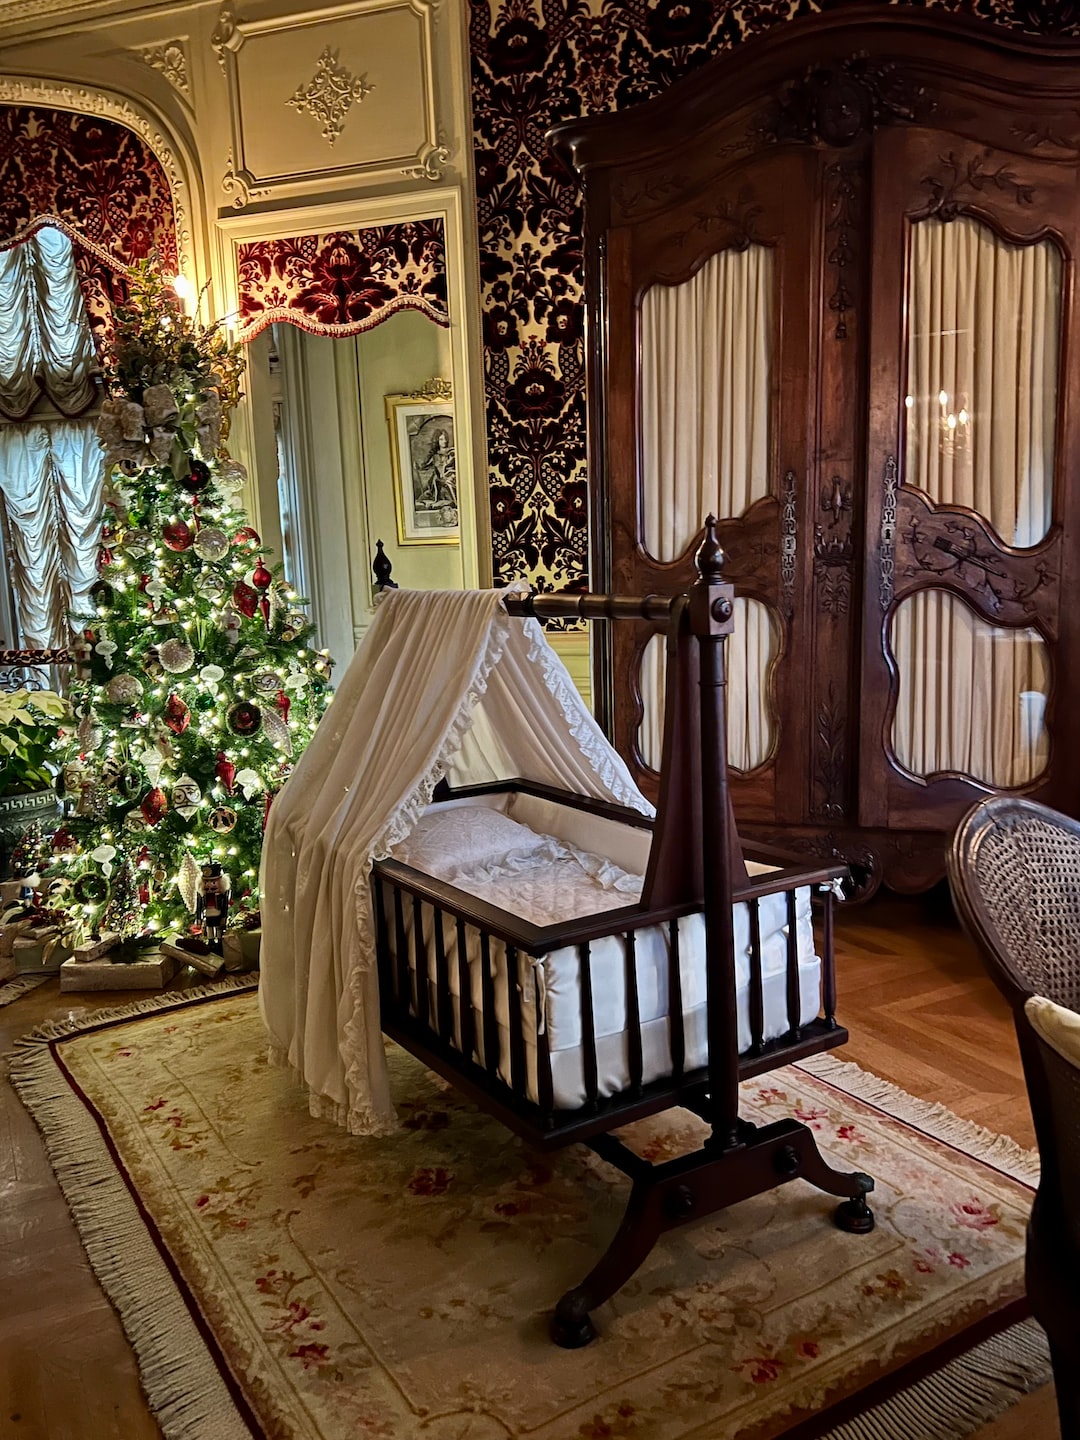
x: 535, y: 65
x: 828, y: 141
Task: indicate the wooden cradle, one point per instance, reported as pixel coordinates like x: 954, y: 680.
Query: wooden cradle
x: 694, y: 839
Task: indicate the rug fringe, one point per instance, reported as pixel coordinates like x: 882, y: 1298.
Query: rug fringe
x: 183, y: 1385
x: 932, y: 1118
x: 965, y: 1394
x: 19, y: 985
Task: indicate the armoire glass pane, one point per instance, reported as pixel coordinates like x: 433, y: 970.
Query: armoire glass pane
x: 972, y: 696
x: 751, y: 722
x: 982, y: 388
x: 706, y: 372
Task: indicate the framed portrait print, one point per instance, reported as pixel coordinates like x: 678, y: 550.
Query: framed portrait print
x: 424, y: 463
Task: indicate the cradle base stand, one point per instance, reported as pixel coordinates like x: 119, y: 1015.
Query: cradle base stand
x: 691, y: 1187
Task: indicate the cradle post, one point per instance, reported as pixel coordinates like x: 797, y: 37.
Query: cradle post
x: 711, y: 612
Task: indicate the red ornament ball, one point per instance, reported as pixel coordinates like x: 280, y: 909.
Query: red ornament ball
x: 260, y: 576
x: 247, y: 536
x: 245, y: 598
x: 197, y: 478
x: 245, y: 718
x: 177, y: 715
x: 177, y: 535
x: 154, y: 806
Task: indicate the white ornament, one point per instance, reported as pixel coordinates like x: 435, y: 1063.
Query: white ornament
x: 187, y: 881
x: 89, y: 733
x: 249, y: 782
x: 186, y: 796
x: 277, y: 730
x: 231, y: 476
x: 104, y: 856
x: 108, y: 649
x: 123, y: 690
x: 211, y: 675
x: 150, y: 760
x: 156, y: 588
x: 297, y: 681
x: 176, y: 656
x: 211, y: 543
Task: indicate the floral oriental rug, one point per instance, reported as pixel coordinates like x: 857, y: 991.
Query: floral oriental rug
x: 280, y: 1278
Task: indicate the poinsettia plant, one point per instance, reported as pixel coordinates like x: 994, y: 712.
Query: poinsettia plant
x: 29, y: 721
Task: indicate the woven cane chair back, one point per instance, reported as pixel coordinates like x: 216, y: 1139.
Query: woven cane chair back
x: 1014, y: 872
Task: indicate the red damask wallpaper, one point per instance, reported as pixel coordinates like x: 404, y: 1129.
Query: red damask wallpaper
x: 534, y: 63
x: 96, y: 178
x: 346, y: 282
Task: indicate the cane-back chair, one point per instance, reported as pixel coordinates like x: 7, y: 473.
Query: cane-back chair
x: 1014, y: 873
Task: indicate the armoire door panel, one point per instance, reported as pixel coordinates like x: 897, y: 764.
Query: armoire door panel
x: 968, y: 355
x: 715, y: 290
x: 910, y: 180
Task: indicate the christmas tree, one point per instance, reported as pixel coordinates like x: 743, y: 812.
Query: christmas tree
x: 197, y: 686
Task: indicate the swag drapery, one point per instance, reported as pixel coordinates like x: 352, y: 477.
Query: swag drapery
x: 51, y: 472
x: 81, y: 198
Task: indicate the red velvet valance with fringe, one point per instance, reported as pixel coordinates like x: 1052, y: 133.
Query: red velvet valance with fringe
x: 94, y: 179
x: 344, y: 282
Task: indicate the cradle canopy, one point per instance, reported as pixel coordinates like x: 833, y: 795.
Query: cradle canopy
x: 444, y: 684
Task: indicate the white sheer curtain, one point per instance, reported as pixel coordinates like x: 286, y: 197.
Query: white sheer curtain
x: 706, y: 379
x: 750, y: 729
x: 983, y: 343
x: 45, y: 340
x: 51, y: 481
x: 51, y: 471
x: 977, y: 692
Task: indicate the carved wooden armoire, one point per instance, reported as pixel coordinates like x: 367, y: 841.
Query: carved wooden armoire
x: 832, y: 298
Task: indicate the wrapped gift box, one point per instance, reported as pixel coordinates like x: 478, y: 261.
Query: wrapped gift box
x: 151, y: 971
x: 38, y: 952
x: 241, y: 950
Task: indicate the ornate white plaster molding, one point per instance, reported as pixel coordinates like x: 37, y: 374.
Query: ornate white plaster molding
x: 328, y: 98
x: 430, y: 163
x: 330, y: 94
x: 237, y: 183
x: 85, y: 100
x: 225, y: 36
x: 169, y: 59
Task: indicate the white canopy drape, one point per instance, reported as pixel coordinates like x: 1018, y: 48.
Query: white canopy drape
x: 443, y: 683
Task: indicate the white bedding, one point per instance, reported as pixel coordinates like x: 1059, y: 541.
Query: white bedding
x: 557, y: 882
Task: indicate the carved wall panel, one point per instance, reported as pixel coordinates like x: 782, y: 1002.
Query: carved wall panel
x: 329, y: 94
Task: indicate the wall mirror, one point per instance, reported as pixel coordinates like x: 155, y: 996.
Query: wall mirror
x: 359, y: 424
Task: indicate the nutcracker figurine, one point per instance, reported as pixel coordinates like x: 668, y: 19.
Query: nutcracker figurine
x: 212, y: 905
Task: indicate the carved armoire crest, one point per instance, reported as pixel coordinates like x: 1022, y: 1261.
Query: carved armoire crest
x: 832, y: 297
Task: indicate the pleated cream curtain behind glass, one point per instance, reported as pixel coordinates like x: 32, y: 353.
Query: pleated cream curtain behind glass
x: 51, y: 471
x: 706, y: 376
x: 983, y: 320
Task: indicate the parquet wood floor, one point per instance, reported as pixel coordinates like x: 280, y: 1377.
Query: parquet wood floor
x: 920, y: 1011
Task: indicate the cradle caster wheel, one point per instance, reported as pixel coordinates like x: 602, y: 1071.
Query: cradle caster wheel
x: 854, y: 1216
x: 570, y: 1325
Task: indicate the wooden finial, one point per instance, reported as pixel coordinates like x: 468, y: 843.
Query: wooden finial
x: 709, y: 558
x: 382, y: 566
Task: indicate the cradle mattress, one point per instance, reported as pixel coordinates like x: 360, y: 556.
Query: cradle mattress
x: 564, y: 889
